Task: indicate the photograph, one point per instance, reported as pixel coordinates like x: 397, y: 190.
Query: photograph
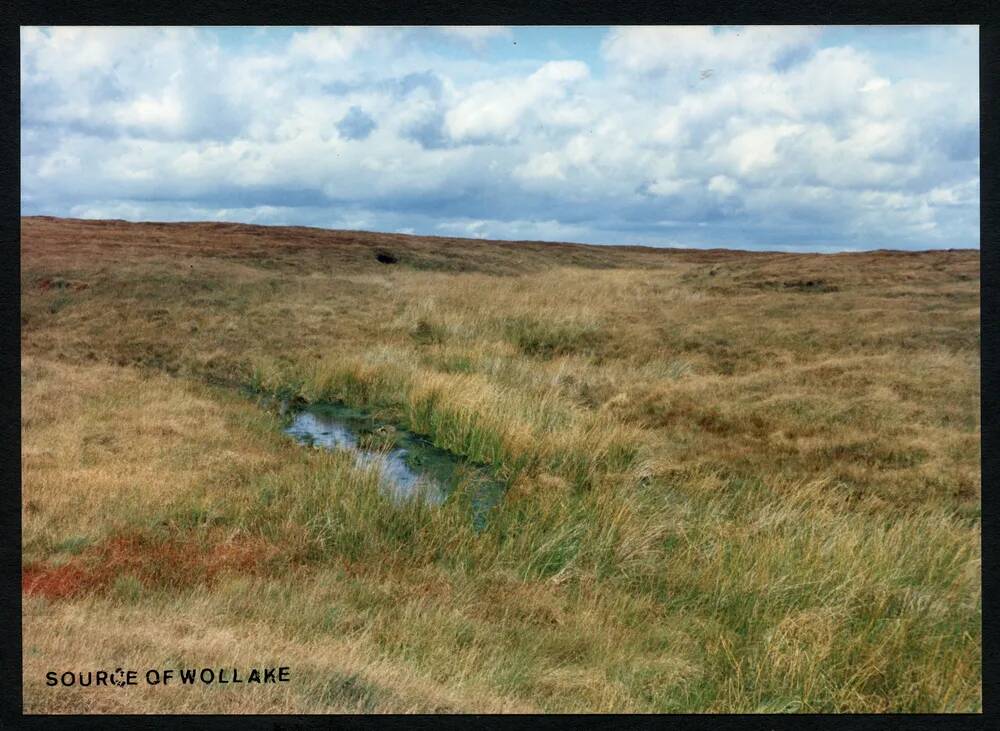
x: 530, y: 369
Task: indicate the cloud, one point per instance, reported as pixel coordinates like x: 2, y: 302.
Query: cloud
x: 702, y: 48
x: 326, y: 45
x: 493, y: 110
x: 722, y: 185
x: 799, y: 137
x: 356, y: 124
x: 475, y: 35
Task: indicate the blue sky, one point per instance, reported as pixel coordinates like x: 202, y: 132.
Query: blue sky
x: 788, y: 138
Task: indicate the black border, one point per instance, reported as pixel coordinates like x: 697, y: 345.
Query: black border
x: 427, y: 12
x: 989, y: 301
x: 513, y: 12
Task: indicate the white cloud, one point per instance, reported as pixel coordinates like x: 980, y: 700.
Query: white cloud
x: 547, y: 165
x: 476, y: 35
x: 790, y: 140
x: 686, y: 48
x: 494, y: 108
x: 514, y: 230
x: 875, y: 84
x: 722, y: 185
x: 328, y: 45
x: 755, y: 149
x: 962, y: 194
x: 668, y: 187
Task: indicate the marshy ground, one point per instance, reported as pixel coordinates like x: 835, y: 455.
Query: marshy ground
x: 735, y: 481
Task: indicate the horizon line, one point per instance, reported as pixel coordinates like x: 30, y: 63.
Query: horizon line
x: 666, y: 247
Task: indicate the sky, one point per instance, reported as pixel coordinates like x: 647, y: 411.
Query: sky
x: 781, y: 138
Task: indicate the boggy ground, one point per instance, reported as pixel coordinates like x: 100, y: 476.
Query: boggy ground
x: 738, y: 482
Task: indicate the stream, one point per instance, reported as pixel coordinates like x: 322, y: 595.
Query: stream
x: 408, y: 464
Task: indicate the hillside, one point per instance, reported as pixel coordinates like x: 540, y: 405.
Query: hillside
x: 734, y: 481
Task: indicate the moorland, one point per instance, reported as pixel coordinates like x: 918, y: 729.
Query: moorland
x: 734, y: 481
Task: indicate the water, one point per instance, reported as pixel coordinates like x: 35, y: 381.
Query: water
x: 408, y: 464
x: 312, y: 428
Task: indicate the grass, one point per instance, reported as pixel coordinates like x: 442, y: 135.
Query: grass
x: 728, y: 489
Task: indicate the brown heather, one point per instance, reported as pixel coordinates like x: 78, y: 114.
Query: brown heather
x: 739, y: 482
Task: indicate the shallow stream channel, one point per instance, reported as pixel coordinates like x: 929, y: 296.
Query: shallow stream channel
x: 408, y: 464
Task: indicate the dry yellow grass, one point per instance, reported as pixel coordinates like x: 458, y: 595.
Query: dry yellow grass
x: 738, y: 482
